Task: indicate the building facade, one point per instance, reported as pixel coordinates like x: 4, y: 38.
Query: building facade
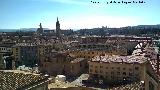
x: 123, y: 69
x: 88, y: 54
x: 25, y: 54
x: 141, y: 66
x: 62, y: 63
x: 6, y: 56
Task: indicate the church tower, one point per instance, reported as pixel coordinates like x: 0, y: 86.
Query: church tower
x: 40, y: 29
x: 58, y: 30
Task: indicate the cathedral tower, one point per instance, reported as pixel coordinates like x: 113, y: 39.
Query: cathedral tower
x: 58, y: 30
x: 40, y: 29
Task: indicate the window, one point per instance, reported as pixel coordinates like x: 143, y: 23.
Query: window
x: 124, y: 73
x: 124, y: 68
x: 130, y: 74
x: 152, y: 53
x: 112, y: 77
x: 80, y: 64
x: 90, y: 70
x: 106, y: 67
x: 106, y: 72
x: 96, y: 71
x: 118, y: 73
x: 130, y: 69
x: 136, y: 68
x: 101, y: 71
x: 112, y: 67
x: 101, y: 66
x: 112, y: 72
x: 118, y: 68
x: 101, y: 76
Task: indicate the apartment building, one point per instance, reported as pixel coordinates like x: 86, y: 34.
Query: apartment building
x: 90, y: 53
x: 6, y: 58
x: 150, y: 51
x: 119, y: 69
x: 116, y: 68
x: 25, y: 54
x: 61, y: 63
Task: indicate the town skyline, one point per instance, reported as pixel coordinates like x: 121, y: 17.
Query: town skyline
x: 98, y: 55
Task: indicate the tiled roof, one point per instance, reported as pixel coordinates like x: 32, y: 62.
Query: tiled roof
x: 77, y: 60
x: 133, y: 86
x: 119, y: 59
x: 11, y: 80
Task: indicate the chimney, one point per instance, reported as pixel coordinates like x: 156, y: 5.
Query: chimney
x: 158, y: 64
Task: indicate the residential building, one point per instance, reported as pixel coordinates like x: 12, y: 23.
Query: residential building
x: 25, y: 54
x: 90, y: 53
x: 151, y: 52
x: 6, y: 56
x: 118, y: 69
x: 61, y: 63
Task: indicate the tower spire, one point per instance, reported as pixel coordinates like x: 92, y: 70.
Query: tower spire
x: 58, y: 30
x: 40, y: 29
x: 40, y: 25
x: 57, y: 19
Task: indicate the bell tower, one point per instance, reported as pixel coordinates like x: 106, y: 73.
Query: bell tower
x: 58, y: 30
x: 40, y: 29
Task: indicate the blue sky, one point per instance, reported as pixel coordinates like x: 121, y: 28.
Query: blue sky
x: 75, y: 14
